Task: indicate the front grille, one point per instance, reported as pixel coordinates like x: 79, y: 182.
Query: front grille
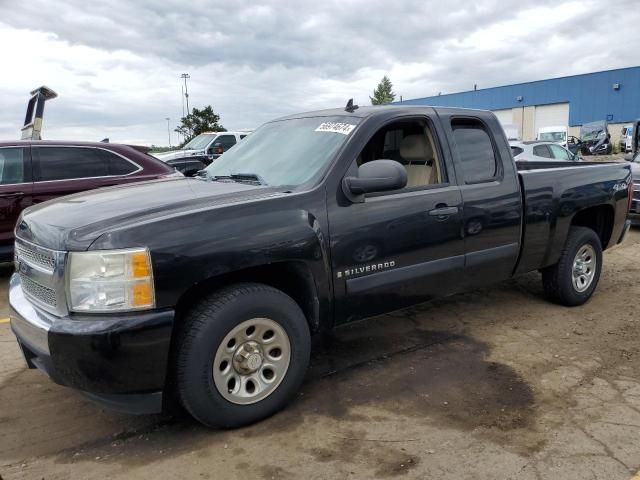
x: 33, y: 256
x: 39, y: 292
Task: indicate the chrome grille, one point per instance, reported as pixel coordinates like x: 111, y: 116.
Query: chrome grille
x: 39, y: 292
x: 35, y: 257
x: 41, y: 273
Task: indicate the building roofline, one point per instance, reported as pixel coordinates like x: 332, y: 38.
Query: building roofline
x: 518, y: 84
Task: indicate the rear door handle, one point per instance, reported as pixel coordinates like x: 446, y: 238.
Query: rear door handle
x: 443, y: 211
x: 13, y: 194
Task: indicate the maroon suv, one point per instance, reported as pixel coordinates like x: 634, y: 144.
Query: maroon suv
x: 34, y: 171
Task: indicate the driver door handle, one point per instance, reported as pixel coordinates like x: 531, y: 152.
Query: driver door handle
x: 12, y: 194
x: 443, y: 211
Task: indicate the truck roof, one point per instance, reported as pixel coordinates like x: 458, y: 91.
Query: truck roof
x: 369, y: 111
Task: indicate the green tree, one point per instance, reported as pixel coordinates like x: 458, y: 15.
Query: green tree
x: 198, y: 121
x: 383, y: 92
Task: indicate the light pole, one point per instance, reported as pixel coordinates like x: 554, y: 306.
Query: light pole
x: 168, y: 119
x: 186, y: 92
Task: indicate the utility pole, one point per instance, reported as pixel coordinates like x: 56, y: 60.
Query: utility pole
x: 168, y: 119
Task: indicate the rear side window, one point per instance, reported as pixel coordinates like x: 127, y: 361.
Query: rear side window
x: 11, y: 165
x: 116, y: 164
x: 515, y: 151
x: 475, y: 150
x: 542, y: 151
x: 64, y: 163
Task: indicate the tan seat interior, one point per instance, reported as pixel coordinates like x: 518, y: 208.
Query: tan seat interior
x: 421, y: 165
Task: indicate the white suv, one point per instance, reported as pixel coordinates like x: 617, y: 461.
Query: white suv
x: 207, y: 144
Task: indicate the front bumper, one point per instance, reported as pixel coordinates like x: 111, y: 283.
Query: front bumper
x: 634, y: 219
x: 118, y: 360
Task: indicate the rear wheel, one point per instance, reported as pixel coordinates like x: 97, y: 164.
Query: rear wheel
x: 242, y: 355
x: 574, y: 278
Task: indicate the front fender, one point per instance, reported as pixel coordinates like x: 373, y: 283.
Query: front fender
x: 191, y: 248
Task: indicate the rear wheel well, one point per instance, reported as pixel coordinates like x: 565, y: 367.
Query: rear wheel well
x: 293, y: 278
x: 599, y: 219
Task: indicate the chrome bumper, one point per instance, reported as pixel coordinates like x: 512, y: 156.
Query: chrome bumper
x: 30, y: 324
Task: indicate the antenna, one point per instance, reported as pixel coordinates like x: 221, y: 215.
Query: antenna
x: 32, y: 128
x: 350, y: 106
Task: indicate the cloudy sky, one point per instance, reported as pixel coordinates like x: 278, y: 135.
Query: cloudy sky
x: 116, y: 63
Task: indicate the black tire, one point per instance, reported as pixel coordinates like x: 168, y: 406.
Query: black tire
x: 557, y: 280
x: 205, y: 327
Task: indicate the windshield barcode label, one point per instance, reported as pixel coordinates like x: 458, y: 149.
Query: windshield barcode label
x: 335, y: 127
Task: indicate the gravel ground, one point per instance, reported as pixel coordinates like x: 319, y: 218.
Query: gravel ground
x: 495, y: 384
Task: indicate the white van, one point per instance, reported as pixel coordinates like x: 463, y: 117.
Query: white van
x: 553, y: 134
x: 626, y: 138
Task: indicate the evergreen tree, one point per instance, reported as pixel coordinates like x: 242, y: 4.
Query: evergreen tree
x: 383, y: 92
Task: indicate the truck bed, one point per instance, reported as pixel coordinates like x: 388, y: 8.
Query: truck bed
x: 553, y: 192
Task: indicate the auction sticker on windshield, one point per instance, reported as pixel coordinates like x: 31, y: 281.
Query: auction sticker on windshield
x: 336, y: 127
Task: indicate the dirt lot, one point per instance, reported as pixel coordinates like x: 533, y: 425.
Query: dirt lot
x: 494, y: 384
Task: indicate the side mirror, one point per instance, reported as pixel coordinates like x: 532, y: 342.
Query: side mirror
x: 375, y: 176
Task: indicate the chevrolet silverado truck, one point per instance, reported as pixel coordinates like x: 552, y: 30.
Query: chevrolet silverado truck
x: 208, y: 289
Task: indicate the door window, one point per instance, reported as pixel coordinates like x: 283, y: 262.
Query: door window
x: 411, y: 143
x: 64, y: 163
x: 559, y: 152
x: 227, y: 141
x: 542, y: 151
x: 475, y: 151
x: 11, y: 165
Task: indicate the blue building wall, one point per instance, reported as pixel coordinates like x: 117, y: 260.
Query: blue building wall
x: 591, y: 96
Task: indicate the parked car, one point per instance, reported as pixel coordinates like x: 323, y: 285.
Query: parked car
x: 189, y: 167
x: 207, y: 146
x: 553, y: 134
x: 211, y: 288
x: 541, y: 151
x: 626, y: 137
x: 35, y: 171
x: 595, y: 139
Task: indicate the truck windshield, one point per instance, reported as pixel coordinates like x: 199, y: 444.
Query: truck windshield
x: 286, y: 152
x: 199, y: 142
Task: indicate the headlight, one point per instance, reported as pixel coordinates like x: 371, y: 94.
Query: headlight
x: 110, y: 280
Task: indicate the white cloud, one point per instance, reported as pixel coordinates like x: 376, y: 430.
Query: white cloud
x: 116, y: 64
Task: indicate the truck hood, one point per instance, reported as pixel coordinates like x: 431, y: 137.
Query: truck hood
x: 74, y: 222
x: 173, y: 154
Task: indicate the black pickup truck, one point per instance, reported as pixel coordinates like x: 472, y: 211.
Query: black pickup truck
x: 208, y: 289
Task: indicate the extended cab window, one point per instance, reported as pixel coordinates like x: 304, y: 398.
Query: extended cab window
x: 64, y: 163
x: 411, y: 143
x: 475, y: 150
x: 11, y: 165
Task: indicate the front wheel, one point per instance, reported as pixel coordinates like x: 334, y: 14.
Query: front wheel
x: 574, y: 278
x: 242, y: 355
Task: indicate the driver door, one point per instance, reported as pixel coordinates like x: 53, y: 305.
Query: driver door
x: 399, y: 247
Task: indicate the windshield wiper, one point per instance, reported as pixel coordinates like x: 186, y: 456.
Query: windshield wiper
x: 252, y: 178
